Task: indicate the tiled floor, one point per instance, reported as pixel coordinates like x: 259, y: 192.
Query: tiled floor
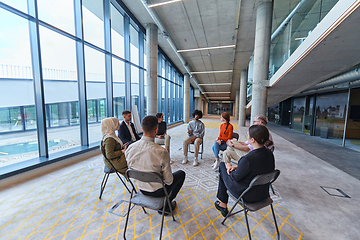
x: 64, y: 204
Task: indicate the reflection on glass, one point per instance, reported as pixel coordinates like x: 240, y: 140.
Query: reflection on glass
x: 60, y: 88
x: 18, y: 4
x: 298, y: 114
x: 135, y: 86
x: 16, y: 83
x: 58, y: 13
x: 117, y: 32
x: 330, y: 115
x: 95, y: 91
x: 134, y: 45
x: 93, y: 22
x: 118, y: 68
x: 300, y: 26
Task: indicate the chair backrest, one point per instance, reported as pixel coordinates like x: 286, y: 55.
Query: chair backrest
x: 263, y: 179
x: 104, y: 154
x: 144, y: 176
x: 235, y: 135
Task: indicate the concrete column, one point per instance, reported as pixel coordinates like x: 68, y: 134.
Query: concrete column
x: 261, y: 58
x: 199, y: 101
x: 186, y: 97
x: 237, y: 105
x: 151, y: 66
x: 242, y: 97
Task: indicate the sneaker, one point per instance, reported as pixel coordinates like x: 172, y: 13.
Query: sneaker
x: 216, y: 165
x: 185, y: 160
x: 195, y: 162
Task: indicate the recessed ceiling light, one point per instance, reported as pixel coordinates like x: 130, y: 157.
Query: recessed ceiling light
x: 221, y: 71
x: 206, y: 48
x: 163, y: 3
x: 208, y: 84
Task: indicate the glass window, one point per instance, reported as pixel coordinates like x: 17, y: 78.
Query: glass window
x: 93, y: 22
x: 60, y: 89
x: 18, y: 4
x: 117, y: 32
x: 59, y: 13
x: 330, y: 115
x: 134, y: 45
x: 135, y: 86
x: 298, y: 114
x: 118, y: 69
x: 16, y: 89
x: 95, y: 91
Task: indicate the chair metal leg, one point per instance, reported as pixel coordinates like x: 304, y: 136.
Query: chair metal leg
x: 162, y: 218
x: 247, y: 224
x: 277, y: 229
x: 127, y: 215
x: 123, y: 182
x: 272, y: 189
x: 103, y: 184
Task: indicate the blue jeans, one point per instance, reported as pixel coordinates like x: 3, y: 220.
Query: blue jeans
x: 216, y: 148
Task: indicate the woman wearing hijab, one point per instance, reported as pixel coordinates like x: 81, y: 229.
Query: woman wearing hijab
x: 112, y: 145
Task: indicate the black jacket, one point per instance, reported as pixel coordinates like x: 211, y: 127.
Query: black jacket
x: 256, y: 162
x: 124, y: 133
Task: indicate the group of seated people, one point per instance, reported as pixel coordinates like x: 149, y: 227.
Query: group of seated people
x: 128, y: 150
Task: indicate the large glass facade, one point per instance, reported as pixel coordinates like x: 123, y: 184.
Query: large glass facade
x: 70, y: 63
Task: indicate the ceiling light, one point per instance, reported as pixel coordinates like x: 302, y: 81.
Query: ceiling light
x: 221, y: 71
x: 216, y: 92
x: 219, y: 97
x: 301, y: 38
x: 208, y: 84
x: 163, y: 3
x: 206, y: 48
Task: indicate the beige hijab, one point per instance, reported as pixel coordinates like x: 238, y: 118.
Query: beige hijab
x: 108, y: 126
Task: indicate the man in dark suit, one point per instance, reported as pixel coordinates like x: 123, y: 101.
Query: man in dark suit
x: 127, y: 132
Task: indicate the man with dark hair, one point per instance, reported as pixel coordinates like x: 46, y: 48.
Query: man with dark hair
x: 127, y: 132
x: 196, y: 132
x: 161, y: 137
x: 145, y: 155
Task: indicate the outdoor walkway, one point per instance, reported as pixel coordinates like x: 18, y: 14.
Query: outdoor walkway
x: 64, y: 204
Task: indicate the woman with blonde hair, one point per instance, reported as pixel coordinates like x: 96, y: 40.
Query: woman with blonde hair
x: 226, y: 131
x: 112, y: 146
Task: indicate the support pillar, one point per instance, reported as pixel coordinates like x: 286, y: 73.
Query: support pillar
x: 261, y: 58
x: 242, y: 97
x: 151, y: 66
x: 237, y: 105
x: 186, y: 97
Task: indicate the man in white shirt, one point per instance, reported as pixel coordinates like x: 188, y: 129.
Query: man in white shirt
x: 145, y: 155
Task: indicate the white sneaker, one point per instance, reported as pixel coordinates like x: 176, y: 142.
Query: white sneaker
x: 216, y: 165
x: 195, y: 162
x: 185, y: 160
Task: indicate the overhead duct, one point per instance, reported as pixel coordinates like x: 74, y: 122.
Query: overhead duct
x: 350, y: 76
x: 169, y: 40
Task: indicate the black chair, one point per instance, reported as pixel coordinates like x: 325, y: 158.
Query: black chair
x: 264, y: 179
x: 155, y: 203
x: 107, y: 172
x: 201, y: 148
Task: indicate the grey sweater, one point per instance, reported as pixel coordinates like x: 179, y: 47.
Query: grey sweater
x: 197, y: 128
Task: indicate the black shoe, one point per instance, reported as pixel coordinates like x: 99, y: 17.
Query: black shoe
x: 167, y: 209
x: 224, y: 211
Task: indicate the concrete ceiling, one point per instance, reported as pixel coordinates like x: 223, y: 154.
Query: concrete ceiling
x: 208, y: 23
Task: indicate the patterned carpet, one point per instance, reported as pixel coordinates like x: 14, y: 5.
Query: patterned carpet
x: 65, y: 205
